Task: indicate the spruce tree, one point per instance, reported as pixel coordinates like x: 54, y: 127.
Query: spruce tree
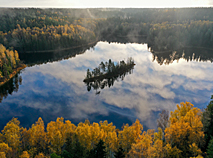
x: 98, y: 151
x: 120, y: 153
x: 210, y: 148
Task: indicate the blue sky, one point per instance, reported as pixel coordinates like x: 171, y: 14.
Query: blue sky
x: 105, y: 3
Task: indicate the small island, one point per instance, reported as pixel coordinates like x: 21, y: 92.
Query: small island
x: 106, y: 73
x: 10, y: 64
x: 109, y: 69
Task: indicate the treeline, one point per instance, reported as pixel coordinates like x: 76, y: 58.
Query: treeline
x: 9, y: 63
x: 159, y: 15
x: 50, y: 37
x: 162, y: 36
x: 167, y: 36
x: 45, y: 29
x: 163, y: 29
x: 28, y: 18
x: 183, y: 134
x: 36, y: 17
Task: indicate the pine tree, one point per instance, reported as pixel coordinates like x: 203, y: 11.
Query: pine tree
x: 79, y: 150
x: 207, y: 120
x: 210, y: 148
x: 99, y: 150
x: 66, y: 154
x: 73, y: 148
x: 54, y: 155
x: 119, y: 153
x: 69, y: 143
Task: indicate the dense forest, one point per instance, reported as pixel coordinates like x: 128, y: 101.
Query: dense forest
x: 9, y: 64
x: 49, y: 37
x: 29, y: 30
x: 186, y: 132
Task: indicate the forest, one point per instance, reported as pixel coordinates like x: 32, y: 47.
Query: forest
x: 10, y: 64
x: 186, y: 132
x: 33, y: 30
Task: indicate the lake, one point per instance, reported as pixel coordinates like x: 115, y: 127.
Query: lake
x: 56, y: 89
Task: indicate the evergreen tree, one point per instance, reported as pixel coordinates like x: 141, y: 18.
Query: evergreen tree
x: 207, y: 120
x: 73, y: 148
x: 210, y: 148
x: 79, y: 150
x: 54, y: 155
x: 98, y: 151
x: 120, y: 153
x: 69, y: 143
x: 66, y: 154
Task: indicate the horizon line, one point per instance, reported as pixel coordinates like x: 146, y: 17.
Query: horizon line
x: 33, y: 7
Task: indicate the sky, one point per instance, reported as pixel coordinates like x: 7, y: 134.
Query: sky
x: 106, y: 3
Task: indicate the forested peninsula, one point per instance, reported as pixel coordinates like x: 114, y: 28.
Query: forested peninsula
x: 10, y: 64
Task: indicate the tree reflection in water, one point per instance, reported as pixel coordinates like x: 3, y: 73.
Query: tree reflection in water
x: 189, y: 54
x: 106, y: 74
x: 11, y: 86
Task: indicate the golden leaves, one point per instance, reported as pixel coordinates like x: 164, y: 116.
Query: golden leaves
x: 40, y: 155
x: 2, y: 155
x: 5, y: 148
x: 57, y: 132
x: 183, y: 135
x: 25, y: 155
x: 12, y: 133
x: 37, y: 134
x: 53, y: 32
x: 185, y: 129
x: 8, y: 59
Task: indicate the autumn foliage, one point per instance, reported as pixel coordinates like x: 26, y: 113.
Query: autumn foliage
x: 51, y: 37
x: 9, y: 64
x: 182, y: 137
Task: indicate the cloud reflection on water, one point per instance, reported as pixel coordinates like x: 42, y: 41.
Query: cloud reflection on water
x: 57, y: 89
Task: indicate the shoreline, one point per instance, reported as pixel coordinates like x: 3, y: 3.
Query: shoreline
x: 63, y: 49
x: 13, y: 74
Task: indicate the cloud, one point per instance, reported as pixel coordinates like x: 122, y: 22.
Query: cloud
x: 151, y: 86
x: 57, y: 89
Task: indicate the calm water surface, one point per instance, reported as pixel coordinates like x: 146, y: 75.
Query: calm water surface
x: 56, y: 89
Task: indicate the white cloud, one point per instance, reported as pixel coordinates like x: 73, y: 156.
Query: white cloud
x: 150, y: 89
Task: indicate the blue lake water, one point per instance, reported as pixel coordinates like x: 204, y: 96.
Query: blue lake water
x: 56, y: 89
